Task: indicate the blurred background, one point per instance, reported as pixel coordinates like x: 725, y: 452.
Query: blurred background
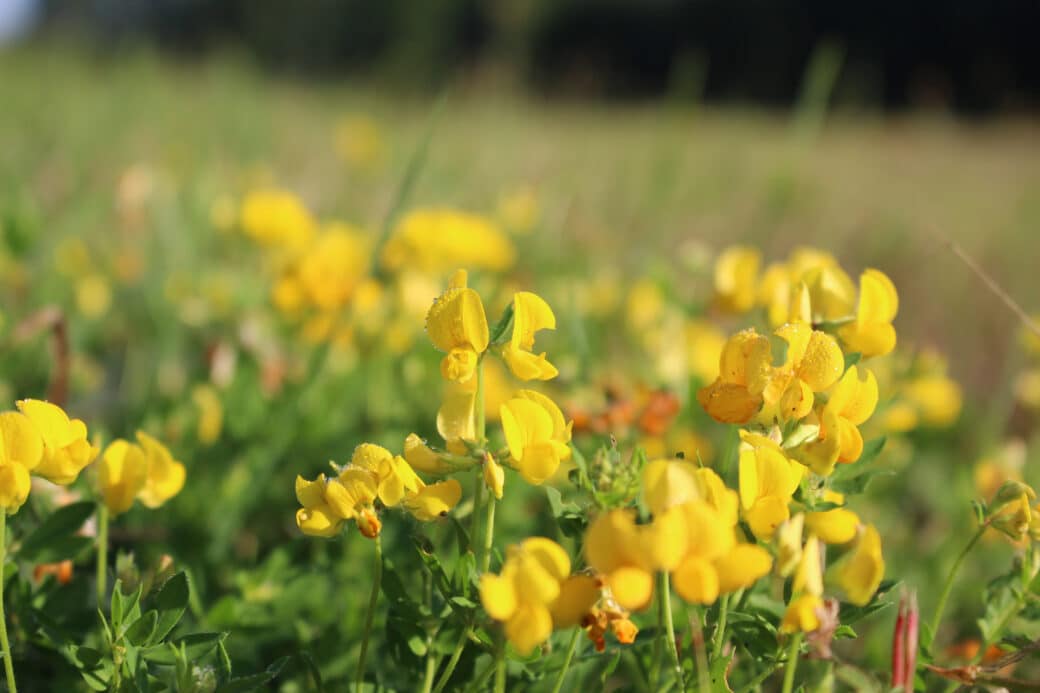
x: 621, y: 144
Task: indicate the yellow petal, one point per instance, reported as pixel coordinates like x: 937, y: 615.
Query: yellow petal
x: 459, y: 364
x: 862, y: 571
x: 664, y: 540
x: 667, y: 483
x: 869, y: 339
x: 729, y: 402
x: 355, y: 488
x: 457, y: 319
x: 608, y: 541
x: 855, y: 399
x: 498, y: 595
x: 20, y: 441
x: 578, y: 594
x: 318, y: 521
x: 310, y: 493
x: 14, y: 487
x: 494, y: 477
x: 396, y: 479
x: 52, y: 422
x: 746, y: 360
x: 822, y: 364
x: 632, y: 587
x: 742, y: 567
x: 421, y: 457
x: 808, y: 578
x: 696, y: 581
x: 801, y: 615
x: 561, y: 430
x: 540, y: 461
x: 837, y: 526
x: 878, y: 299
x: 850, y: 441
x: 529, y: 626
x: 797, y: 400
x: 165, y: 476
x: 370, y: 456
x: 766, y: 515
x: 455, y: 418
x: 435, y: 500
x: 708, y: 535
x: 122, y: 471
x: 736, y: 273
x: 789, y: 545
x: 530, y: 314
x: 549, y: 555
x: 712, y: 490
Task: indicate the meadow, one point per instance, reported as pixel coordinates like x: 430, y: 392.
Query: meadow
x: 261, y: 274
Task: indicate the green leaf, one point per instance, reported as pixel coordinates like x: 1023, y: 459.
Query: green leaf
x: 169, y: 602
x: 61, y: 524
x: 852, y: 359
x: 555, y: 499
x: 499, y: 330
x: 243, y: 684
x: 195, y: 646
x: 140, y: 631
x: 312, y: 668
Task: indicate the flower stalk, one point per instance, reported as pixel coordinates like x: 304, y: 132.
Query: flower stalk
x: 102, y: 552
x: 370, y: 615
x: 8, y: 665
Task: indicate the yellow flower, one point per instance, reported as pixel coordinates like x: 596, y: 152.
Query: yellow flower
x: 744, y: 366
x: 21, y: 449
x: 768, y: 480
x: 536, y: 433
x: 813, y: 363
x: 789, y: 545
x: 333, y: 267
x: 807, y: 589
x: 831, y: 292
x: 736, y: 274
x: 164, y: 476
x: 871, y: 333
x: 276, y: 218
x: 535, y: 593
x: 936, y: 397
x: 122, y: 471
x: 93, y: 295
x: 211, y: 413
x: 627, y: 555
x: 457, y: 325
x: 853, y: 401
x: 394, y: 477
x: 862, y: 571
x: 530, y: 314
x: 316, y: 517
x: 435, y: 240
x: 456, y: 421
x: 66, y: 450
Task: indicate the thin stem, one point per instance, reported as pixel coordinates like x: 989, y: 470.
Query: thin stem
x: 489, y: 532
x: 474, y: 521
x: 446, y: 676
x: 481, y: 419
x: 703, y: 677
x: 8, y: 664
x: 719, y: 638
x: 655, y: 672
x: 567, y: 661
x: 370, y: 615
x: 792, y: 662
x: 933, y: 626
x: 500, y: 667
x: 666, y: 599
x: 431, y: 669
x: 431, y: 658
x: 102, y: 552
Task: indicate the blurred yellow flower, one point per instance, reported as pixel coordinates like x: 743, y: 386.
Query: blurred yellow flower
x: 210, y: 413
x: 519, y: 209
x: 436, y: 240
x: 276, y: 218
x: 871, y: 333
x: 164, y: 477
x: 807, y: 589
x: 316, y: 517
x: 736, y: 276
x: 835, y: 526
x: 121, y: 475
x: 66, y: 450
x: 530, y: 314
x: 536, y: 433
x: 704, y: 345
x: 535, y: 592
x: 93, y: 295
x: 457, y: 325
x: 861, y: 572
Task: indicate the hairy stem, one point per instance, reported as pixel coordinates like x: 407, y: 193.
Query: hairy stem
x: 792, y: 662
x: 370, y: 615
x: 669, y: 626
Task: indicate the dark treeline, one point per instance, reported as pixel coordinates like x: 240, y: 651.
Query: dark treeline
x: 976, y: 56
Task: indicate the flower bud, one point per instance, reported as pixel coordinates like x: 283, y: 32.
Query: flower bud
x: 494, y: 476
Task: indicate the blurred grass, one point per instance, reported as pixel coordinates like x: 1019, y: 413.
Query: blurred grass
x: 628, y: 185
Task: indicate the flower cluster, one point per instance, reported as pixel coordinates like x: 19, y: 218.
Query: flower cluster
x: 144, y: 471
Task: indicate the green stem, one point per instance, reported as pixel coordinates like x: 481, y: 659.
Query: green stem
x: 431, y: 658
x: 666, y: 599
x: 370, y: 615
x: 719, y: 638
x: 474, y: 521
x: 102, y: 553
x: 446, y: 676
x: 489, y: 532
x: 500, y: 667
x: 431, y: 669
x: 478, y: 403
x: 655, y: 672
x: 792, y: 662
x: 933, y: 627
x: 567, y: 661
x: 703, y: 668
x: 8, y: 664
